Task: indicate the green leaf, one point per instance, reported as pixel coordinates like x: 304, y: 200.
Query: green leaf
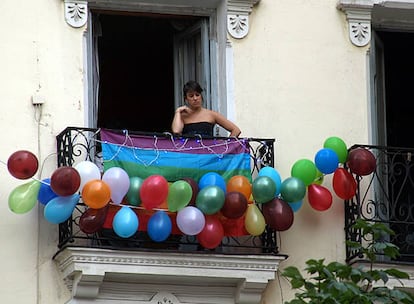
x: 397, y: 273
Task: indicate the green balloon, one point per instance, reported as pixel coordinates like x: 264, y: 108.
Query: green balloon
x: 305, y: 170
x: 210, y: 199
x: 132, y: 196
x: 293, y: 190
x: 24, y: 197
x: 179, y: 195
x: 339, y: 146
x: 319, y: 178
x: 263, y: 189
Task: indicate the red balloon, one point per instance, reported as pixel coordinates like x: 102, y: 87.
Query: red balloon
x: 212, y: 234
x: 92, y: 220
x: 278, y: 214
x: 154, y: 191
x: 319, y: 197
x: 344, y: 184
x: 65, y: 181
x: 361, y: 161
x: 194, y: 187
x: 235, y: 205
x: 22, y: 164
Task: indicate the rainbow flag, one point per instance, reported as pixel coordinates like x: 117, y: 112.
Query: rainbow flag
x: 175, y: 158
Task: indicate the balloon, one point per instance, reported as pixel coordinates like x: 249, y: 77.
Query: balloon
x: 132, y: 197
x: 24, y: 197
x: 87, y: 171
x: 125, y: 223
x: 263, y: 189
x: 212, y: 234
x: 235, y: 205
x: 179, y: 195
x: 319, y: 197
x: 212, y: 179
x: 92, y: 220
x: 361, y: 161
x: 293, y: 189
x: 278, y: 214
x: 274, y: 175
x: 22, y: 164
x: 344, y: 184
x: 190, y: 220
x: 154, y: 191
x: 194, y: 187
x: 159, y: 226
x: 240, y: 183
x: 118, y: 181
x: 65, y: 181
x: 210, y: 199
x: 60, y: 208
x: 296, y: 205
x: 339, y: 146
x: 326, y: 160
x: 305, y: 170
x: 96, y: 194
x: 45, y: 192
x: 318, y: 178
x: 254, y: 221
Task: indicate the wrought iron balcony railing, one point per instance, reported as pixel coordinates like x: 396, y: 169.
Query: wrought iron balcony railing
x: 386, y: 196
x: 77, y: 144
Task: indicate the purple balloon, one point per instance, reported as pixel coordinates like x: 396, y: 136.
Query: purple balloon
x: 190, y: 220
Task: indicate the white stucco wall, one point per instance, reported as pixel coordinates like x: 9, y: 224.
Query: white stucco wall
x: 296, y: 71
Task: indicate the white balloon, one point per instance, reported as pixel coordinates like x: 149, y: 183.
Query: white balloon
x: 118, y: 181
x: 87, y: 171
x: 190, y: 220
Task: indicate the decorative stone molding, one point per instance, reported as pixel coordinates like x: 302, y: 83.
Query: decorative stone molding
x: 238, y: 12
x: 76, y: 12
x: 159, y: 277
x: 358, y: 15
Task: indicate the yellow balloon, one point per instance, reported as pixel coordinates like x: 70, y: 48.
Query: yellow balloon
x: 254, y: 221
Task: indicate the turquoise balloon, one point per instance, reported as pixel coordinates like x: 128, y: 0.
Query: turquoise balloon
x: 274, y: 175
x: 125, y: 223
x: 132, y: 196
x: 296, y: 205
x: 24, y: 197
x: 212, y: 179
x: 263, y: 189
x: 293, y: 189
x: 210, y: 199
x: 60, y: 208
x: 179, y: 195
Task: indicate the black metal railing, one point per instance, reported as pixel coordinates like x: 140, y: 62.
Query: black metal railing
x: 77, y: 144
x: 386, y: 196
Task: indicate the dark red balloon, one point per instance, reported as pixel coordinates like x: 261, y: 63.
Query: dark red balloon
x: 278, y: 214
x: 361, y: 161
x: 22, y: 164
x: 235, y: 205
x: 65, y: 181
x: 344, y: 184
x: 194, y: 187
x: 319, y: 197
x: 212, y: 234
x: 92, y: 220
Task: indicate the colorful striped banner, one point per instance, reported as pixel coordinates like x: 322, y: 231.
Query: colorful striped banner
x: 175, y: 158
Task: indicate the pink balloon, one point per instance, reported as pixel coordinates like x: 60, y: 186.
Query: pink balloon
x: 118, y: 181
x: 319, y: 197
x: 190, y: 220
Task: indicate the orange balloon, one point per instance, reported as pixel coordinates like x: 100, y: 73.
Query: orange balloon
x: 240, y: 183
x: 96, y: 194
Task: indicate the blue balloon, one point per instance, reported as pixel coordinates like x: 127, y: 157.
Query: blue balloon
x: 46, y: 193
x: 274, y: 175
x: 295, y: 205
x: 159, y: 226
x: 125, y: 223
x: 60, y: 208
x: 212, y: 179
x: 326, y: 160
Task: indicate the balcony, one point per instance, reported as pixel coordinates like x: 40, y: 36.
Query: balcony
x: 98, y: 265
x: 386, y: 196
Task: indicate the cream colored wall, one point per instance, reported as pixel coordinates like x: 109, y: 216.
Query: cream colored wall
x: 39, y: 54
x: 304, y: 81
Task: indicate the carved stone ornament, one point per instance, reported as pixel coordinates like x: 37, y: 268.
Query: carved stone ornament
x: 76, y: 12
x: 238, y: 12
